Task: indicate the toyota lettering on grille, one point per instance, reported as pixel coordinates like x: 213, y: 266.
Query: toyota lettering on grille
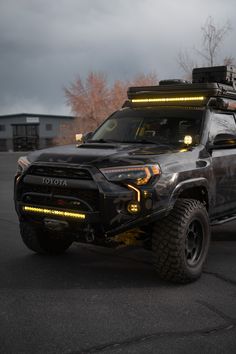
x: 54, y: 181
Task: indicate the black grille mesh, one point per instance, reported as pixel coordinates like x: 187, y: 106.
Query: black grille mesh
x: 65, y: 198
x: 68, y: 198
x: 59, y: 172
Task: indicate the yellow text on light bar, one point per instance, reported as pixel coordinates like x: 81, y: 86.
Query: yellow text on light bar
x: 45, y: 211
x: 168, y: 99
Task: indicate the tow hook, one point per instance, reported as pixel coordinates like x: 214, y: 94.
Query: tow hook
x: 55, y: 225
x: 89, y: 234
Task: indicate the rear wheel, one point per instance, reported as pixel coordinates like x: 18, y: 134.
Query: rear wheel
x: 41, y: 240
x: 180, y: 242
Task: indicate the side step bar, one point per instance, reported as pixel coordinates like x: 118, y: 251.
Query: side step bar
x: 223, y: 220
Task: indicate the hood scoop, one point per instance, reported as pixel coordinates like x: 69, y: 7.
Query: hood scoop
x: 97, y: 146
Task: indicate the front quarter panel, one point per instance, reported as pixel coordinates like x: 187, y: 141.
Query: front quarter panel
x: 182, y: 171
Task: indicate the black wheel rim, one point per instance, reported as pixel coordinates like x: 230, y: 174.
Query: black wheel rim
x: 194, y: 242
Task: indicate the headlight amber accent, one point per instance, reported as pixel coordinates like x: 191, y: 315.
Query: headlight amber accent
x: 139, y: 175
x: 136, y: 190
x: 167, y: 99
x: 46, y: 211
x: 144, y: 180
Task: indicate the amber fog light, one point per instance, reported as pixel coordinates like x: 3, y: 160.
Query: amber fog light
x: 134, y: 207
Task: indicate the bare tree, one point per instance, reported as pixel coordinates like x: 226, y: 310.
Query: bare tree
x: 92, y: 100
x: 186, y: 63
x: 229, y: 60
x: 212, y: 39
x: 89, y: 100
x: 118, y: 91
x: 66, y: 134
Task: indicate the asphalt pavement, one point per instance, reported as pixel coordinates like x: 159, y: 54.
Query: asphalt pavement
x: 97, y: 300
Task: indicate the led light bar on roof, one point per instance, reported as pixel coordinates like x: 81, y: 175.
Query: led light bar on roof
x: 46, y: 211
x: 168, y: 99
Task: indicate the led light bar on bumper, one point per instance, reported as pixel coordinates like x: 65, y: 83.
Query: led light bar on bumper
x: 139, y: 175
x: 54, y: 212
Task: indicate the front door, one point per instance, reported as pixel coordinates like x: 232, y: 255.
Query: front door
x: 224, y: 166
x: 25, y: 137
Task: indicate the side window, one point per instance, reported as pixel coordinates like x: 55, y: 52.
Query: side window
x: 221, y: 124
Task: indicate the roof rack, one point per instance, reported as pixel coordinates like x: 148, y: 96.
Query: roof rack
x: 207, y: 82
x: 221, y: 74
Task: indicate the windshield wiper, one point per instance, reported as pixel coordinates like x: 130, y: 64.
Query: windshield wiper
x: 147, y: 141
x: 140, y: 141
x: 137, y: 141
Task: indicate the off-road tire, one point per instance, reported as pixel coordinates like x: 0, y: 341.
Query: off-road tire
x: 41, y: 240
x: 180, y: 242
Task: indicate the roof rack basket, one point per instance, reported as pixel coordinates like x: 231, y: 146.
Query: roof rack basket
x: 220, y: 74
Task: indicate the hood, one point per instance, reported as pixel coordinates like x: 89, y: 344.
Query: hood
x: 102, y: 154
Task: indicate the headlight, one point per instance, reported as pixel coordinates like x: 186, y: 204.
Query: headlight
x: 139, y: 175
x: 22, y: 164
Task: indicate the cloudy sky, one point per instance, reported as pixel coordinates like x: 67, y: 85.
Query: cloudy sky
x: 46, y: 44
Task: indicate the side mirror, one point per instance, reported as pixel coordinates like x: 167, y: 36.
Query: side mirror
x: 223, y: 141
x: 82, y: 138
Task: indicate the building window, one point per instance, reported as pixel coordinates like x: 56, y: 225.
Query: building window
x: 3, y: 144
x: 48, y: 126
x: 2, y: 128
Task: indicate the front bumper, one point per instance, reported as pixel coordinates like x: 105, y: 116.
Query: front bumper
x: 91, y: 200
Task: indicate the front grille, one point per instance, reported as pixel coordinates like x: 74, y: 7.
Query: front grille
x: 68, y: 198
x: 59, y: 172
x: 80, y: 197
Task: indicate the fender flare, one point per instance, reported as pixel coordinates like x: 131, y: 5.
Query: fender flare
x: 188, y: 184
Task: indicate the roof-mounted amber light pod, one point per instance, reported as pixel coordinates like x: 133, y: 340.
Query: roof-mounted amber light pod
x: 79, y: 138
x: 188, y: 140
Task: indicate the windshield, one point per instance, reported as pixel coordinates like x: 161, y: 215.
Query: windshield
x: 157, y: 126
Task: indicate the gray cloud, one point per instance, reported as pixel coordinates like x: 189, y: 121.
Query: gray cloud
x: 44, y: 45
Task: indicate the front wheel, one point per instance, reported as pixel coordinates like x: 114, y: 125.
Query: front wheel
x: 41, y: 240
x: 180, y: 242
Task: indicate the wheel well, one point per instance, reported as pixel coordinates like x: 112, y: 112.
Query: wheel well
x: 198, y: 193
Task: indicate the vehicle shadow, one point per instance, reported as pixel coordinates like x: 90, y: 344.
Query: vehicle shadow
x: 93, y: 267
x: 81, y: 267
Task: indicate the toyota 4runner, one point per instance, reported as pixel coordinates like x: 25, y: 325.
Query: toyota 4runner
x: 158, y: 173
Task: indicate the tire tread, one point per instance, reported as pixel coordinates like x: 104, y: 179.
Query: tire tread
x: 167, y: 241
